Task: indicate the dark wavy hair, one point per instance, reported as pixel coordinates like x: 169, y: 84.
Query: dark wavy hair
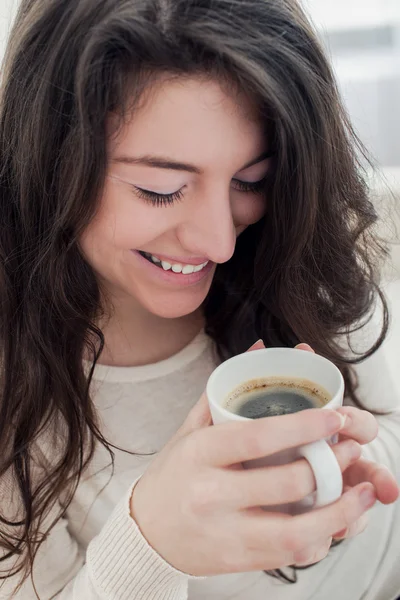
x: 306, y: 272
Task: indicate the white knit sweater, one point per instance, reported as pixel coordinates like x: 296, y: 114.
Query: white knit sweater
x: 97, y: 551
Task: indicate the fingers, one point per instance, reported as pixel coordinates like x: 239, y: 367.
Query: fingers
x: 305, y: 347
x: 360, y: 425
x: 286, y: 483
x: 198, y: 418
x: 239, y: 441
x: 386, y: 487
x: 322, y: 523
x: 310, y: 556
x: 304, y: 538
x: 355, y: 529
x: 259, y: 345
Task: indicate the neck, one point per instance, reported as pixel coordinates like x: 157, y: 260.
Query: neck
x: 135, y: 337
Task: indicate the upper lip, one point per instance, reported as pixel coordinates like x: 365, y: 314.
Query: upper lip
x: 182, y: 260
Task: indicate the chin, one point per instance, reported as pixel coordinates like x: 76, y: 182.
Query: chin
x: 173, y: 306
x: 174, y: 310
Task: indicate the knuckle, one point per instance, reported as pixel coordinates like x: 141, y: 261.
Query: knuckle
x: 370, y: 424
x: 252, y: 445
x: 364, y: 420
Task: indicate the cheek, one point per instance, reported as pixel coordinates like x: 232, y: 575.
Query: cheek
x: 247, y: 211
x: 122, y: 223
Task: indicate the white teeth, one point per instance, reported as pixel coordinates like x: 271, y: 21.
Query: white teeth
x: 177, y: 268
x: 200, y: 267
x: 188, y: 269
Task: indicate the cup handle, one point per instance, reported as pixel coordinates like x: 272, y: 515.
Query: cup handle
x: 327, y: 473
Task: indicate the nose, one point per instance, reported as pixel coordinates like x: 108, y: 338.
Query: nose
x: 209, y: 229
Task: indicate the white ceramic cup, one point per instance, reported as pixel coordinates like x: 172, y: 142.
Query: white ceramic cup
x: 285, y: 362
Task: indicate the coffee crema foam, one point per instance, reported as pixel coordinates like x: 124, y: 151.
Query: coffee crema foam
x: 273, y: 396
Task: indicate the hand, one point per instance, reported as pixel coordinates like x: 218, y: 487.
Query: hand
x: 204, y: 517
x: 362, y: 427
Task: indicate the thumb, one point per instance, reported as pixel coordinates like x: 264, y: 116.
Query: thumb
x: 200, y: 415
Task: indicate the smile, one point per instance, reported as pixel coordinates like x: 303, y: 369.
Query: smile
x: 185, y: 269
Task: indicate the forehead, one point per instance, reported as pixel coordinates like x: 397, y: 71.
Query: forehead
x: 195, y: 120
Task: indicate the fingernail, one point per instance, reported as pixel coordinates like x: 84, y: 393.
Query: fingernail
x: 367, y: 498
x: 343, y: 420
x: 340, y: 534
x: 336, y: 421
x: 346, y: 417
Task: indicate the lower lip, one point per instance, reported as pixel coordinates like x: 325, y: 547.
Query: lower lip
x: 178, y: 279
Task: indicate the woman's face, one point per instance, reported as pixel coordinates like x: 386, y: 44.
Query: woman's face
x: 189, y: 146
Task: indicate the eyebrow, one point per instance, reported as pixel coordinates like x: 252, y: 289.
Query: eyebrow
x: 161, y: 162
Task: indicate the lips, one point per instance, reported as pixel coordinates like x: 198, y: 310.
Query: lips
x: 177, y: 280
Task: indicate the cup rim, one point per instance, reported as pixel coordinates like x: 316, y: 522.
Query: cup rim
x: 228, y: 362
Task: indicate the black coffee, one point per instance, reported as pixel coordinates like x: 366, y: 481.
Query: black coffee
x: 274, y: 396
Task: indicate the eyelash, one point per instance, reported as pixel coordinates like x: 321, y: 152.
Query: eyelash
x: 155, y: 199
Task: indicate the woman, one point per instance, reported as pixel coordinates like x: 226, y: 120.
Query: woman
x: 178, y: 180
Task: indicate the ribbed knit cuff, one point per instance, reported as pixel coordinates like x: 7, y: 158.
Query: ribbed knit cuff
x: 123, y: 565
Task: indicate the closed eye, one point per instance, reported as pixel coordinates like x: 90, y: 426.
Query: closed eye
x: 156, y: 199
x: 159, y: 199
x: 256, y: 187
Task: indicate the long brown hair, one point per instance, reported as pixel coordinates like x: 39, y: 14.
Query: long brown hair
x: 306, y: 272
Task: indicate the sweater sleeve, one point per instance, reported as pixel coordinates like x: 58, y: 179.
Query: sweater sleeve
x: 379, y: 390
x: 119, y: 565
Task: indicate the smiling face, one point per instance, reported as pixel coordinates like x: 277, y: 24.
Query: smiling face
x: 187, y: 214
